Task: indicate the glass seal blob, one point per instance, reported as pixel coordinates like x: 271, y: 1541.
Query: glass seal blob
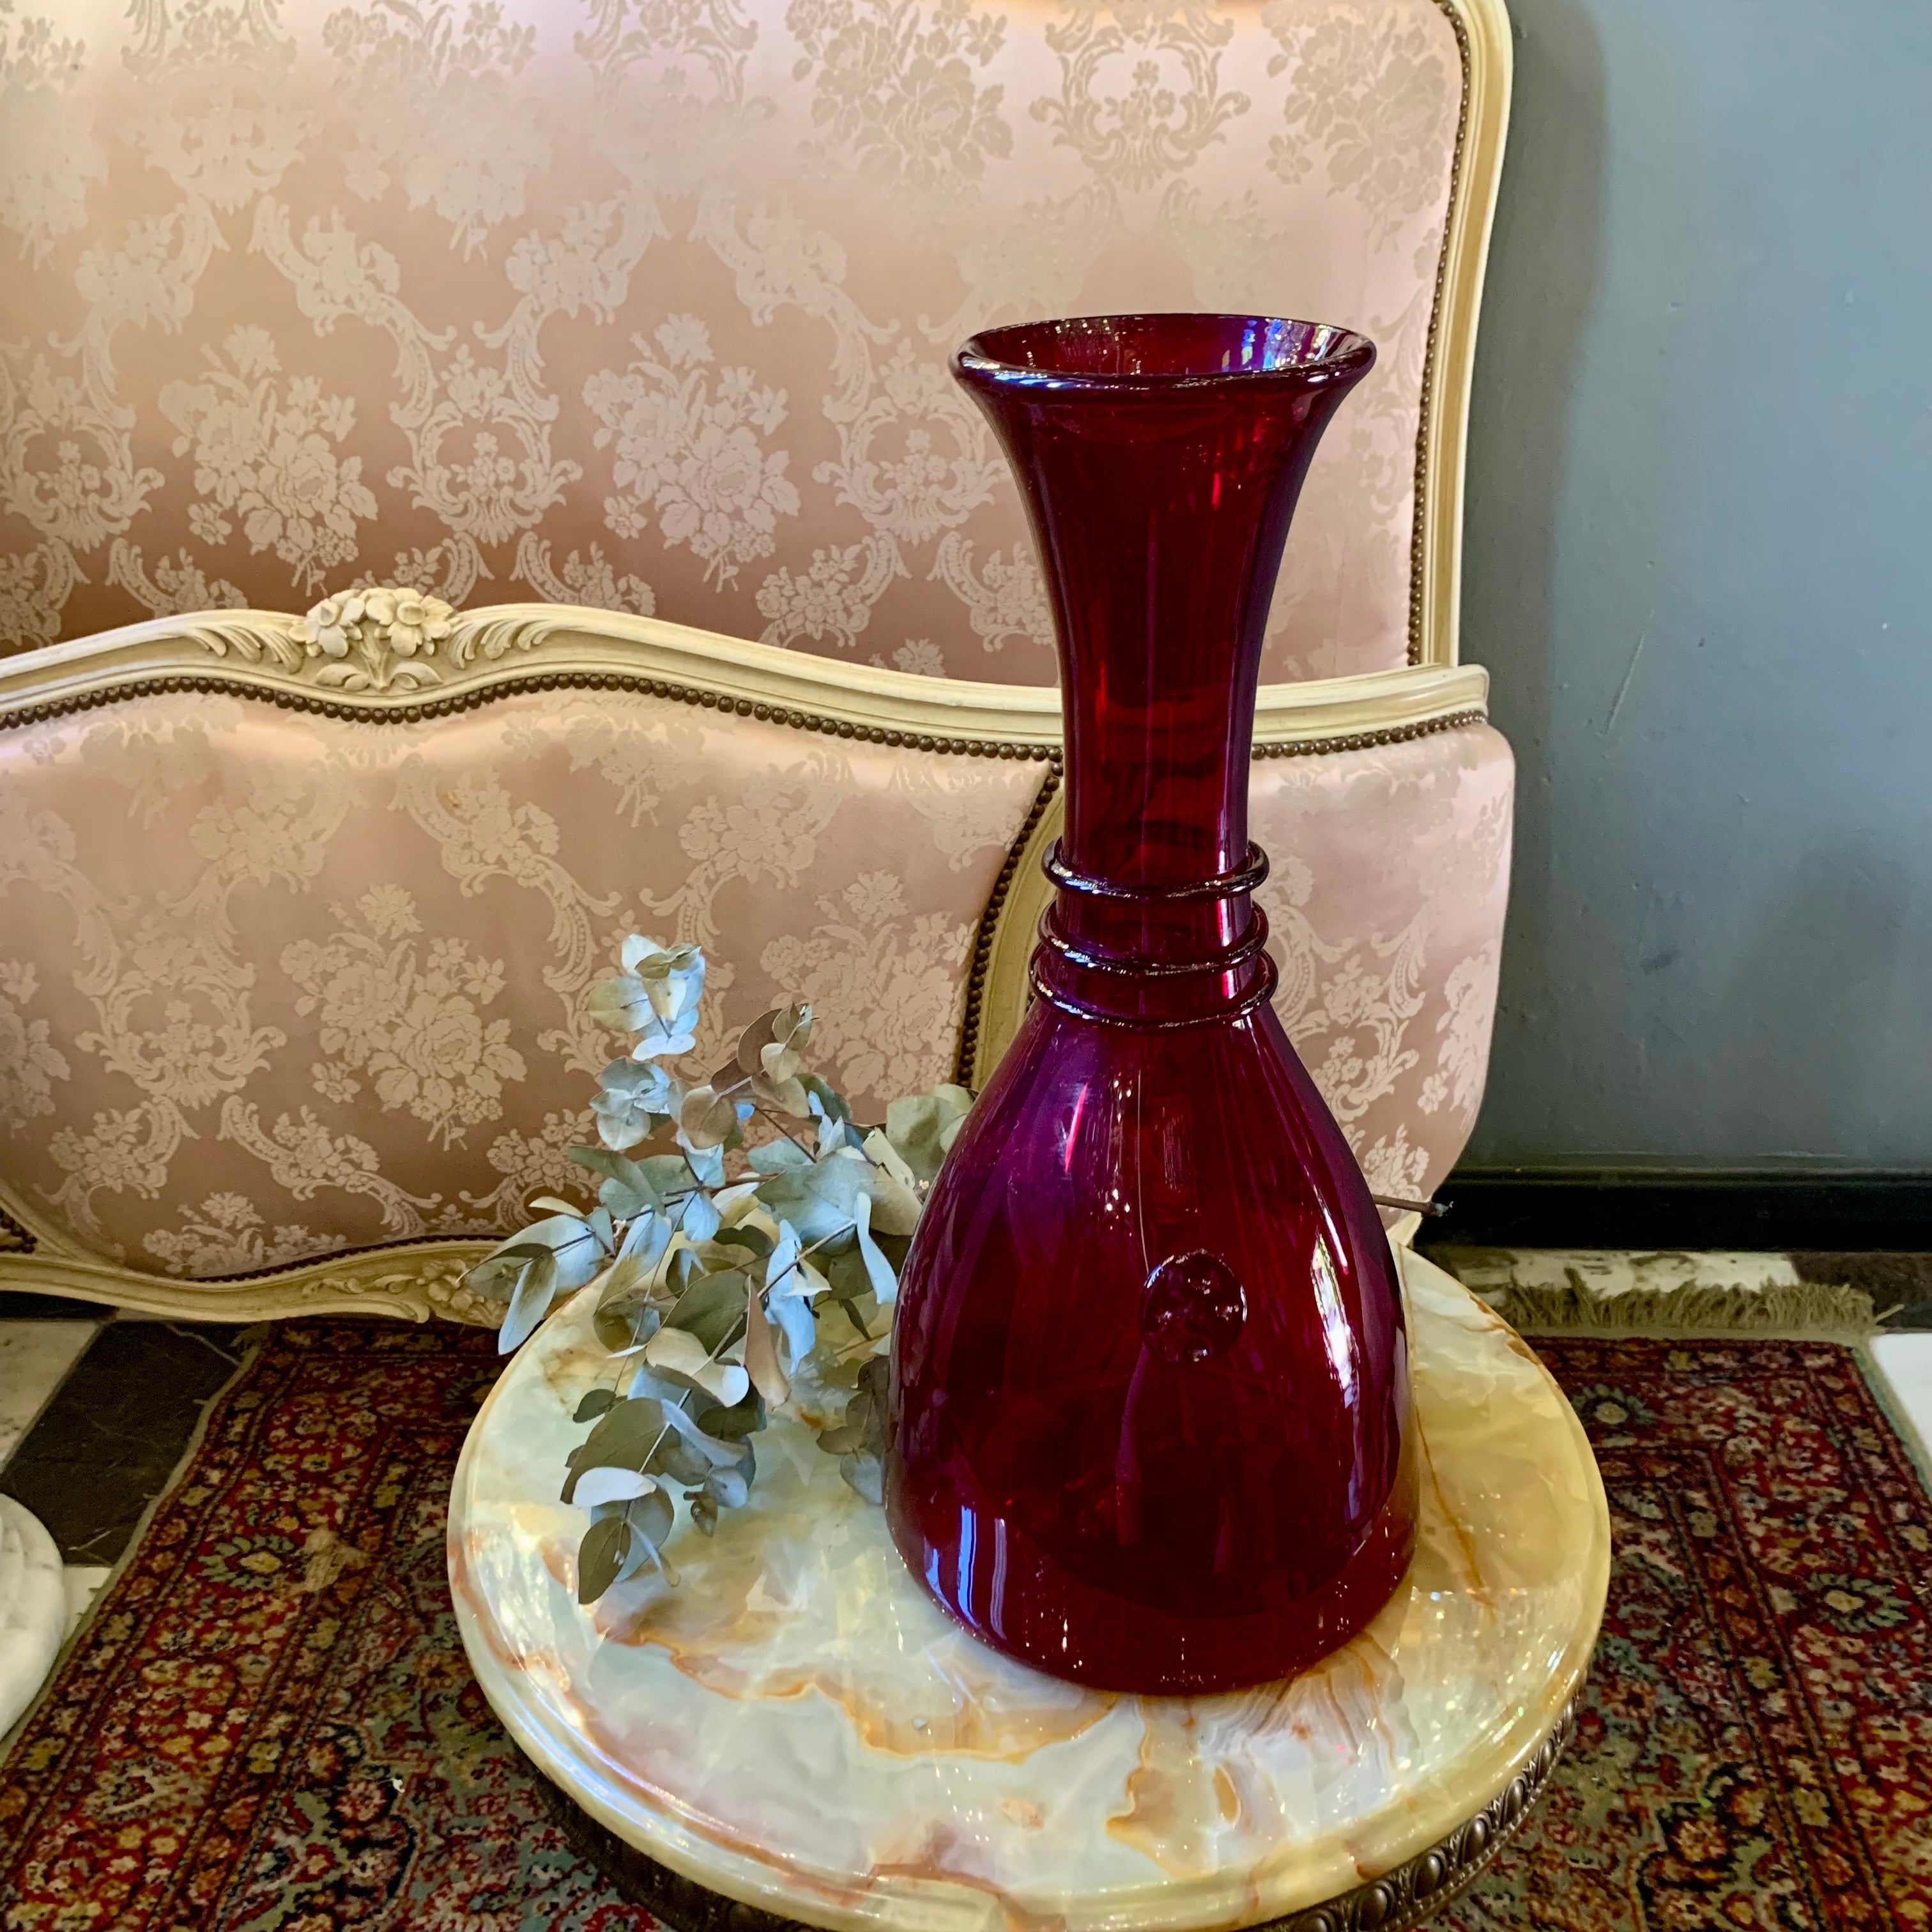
x: 1150, y: 1423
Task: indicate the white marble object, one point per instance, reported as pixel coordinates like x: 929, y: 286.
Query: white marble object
x: 33, y: 1608
x: 798, y: 1727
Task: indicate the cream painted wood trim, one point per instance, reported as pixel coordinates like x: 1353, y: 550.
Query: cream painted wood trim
x: 1436, y: 572
x: 1313, y: 719
x: 266, y: 651
x: 414, y: 1281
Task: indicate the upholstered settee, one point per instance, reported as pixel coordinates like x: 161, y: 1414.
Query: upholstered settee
x: 294, y: 949
x: 642, y: 311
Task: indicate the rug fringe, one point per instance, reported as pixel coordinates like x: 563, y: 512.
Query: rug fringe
x: 1695, y: 1309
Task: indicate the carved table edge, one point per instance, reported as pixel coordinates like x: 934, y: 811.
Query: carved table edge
x: 1397, y: 1901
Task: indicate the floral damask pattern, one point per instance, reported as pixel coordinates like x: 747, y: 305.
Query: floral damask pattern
x: 693, y: 457
x: 415, y: 1027
x: 647, y: 303
x: 885, y: 982
x: 270, y: 458
x: 226, y: 1235
x: 332, y: 994
x: 30, y: 1063
x: 1388, y: 966
x: 1374, y: 86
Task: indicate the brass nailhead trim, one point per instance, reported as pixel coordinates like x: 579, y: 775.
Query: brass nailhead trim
x: 409, y: 710
x: 1363, y: 741
x: 1418, y: 539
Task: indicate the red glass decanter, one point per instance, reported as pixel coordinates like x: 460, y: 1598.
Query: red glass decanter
x: 1149, y: 1423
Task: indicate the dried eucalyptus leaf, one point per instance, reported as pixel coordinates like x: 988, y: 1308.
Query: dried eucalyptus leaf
x: 793, y: 1314
x: 607, y: 1483
x: 620, y: 1004
x: 819, y: 1199
x: 681, y: 1356
x: 706, y: 1163
x: 579, y: 1253
x: 778, y: 1157
x: 885, y: 1283
x: 785, y: 1093
x: 727, y: 1487
x: 923, y: 1126
x: 634, y: 1098
x: 535, y: 1289
x: 600, y: 1556
x: 651, y: 1517
x: 719, y: 1455
x: 761, y: 1353
x: 755, y: 1239
x: 758, y: 1034
x: 627, y: 1323
x: 711, y: 1309
x: 741, y: 1420
x: 832, y: 1104
x: 594, y: 1404
x: 706, y: 1119
x: 862, y: 1431
x: 866, y: 1474
x: 628, y: 1189
x: 699, y: 1219
x: 845, y: 1269
x: 881, y: 1153
x: 675, y: 1458
x: 704, y: 1510
x: 623, y: 1438
x: 895, y: 1208
x: 497, y: 1274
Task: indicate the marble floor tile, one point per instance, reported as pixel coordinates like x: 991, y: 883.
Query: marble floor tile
x: 34, y: 1358
x: 83, y: 1582
x: 1905, y: 1363
x: 104, y: 1447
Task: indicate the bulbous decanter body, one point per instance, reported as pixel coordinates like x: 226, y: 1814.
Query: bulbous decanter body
x: 1150, y: 1424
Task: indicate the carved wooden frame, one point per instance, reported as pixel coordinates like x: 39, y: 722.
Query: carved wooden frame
x: 1482, y: 39
x: 401, y: 675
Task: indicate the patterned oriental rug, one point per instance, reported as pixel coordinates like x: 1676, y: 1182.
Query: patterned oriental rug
x: 269, y: 1723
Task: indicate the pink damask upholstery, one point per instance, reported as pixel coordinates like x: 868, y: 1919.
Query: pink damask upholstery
x: 273, y: 984
x: 330, y: 991
x: 647, y: 305
x: 1389, y: 881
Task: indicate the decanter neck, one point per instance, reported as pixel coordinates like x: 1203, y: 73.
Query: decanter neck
x: 1160, y: 458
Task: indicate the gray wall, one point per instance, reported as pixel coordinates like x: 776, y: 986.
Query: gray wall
x: 1699, y: 564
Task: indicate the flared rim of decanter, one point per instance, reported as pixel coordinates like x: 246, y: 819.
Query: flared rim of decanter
x: 1126, y: 353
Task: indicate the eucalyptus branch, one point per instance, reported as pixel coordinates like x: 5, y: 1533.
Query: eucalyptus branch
x: 814, y: 1199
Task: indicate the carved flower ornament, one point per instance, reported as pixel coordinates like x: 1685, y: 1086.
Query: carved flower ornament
x: 374, y: 638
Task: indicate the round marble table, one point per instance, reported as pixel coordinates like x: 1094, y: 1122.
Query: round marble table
x: 797, y: 1729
